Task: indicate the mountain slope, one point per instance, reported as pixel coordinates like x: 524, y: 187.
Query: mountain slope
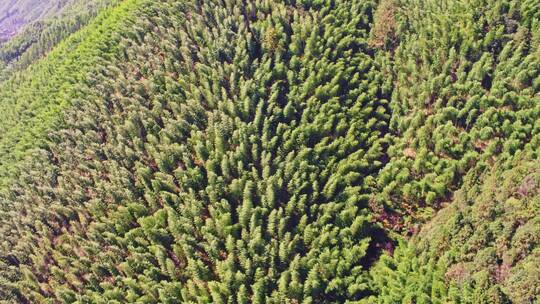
x: 39, y: 35
x: 465, y: 138
x: 151, y: 136
x: 480, y: 249
x: 465, y: 94
x: 31, y: 101
x: 277, y: 152
x: 15, y: 14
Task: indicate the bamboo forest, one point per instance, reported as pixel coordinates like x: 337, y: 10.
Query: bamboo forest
x: 270, y: 151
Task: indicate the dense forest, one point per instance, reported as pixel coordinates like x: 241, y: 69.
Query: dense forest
x: 42, y: 25
x: 272, y: 151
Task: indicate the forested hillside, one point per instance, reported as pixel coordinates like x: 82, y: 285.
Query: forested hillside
x: 313, y: 151
x: 34, y: 27
x: 16, y: 14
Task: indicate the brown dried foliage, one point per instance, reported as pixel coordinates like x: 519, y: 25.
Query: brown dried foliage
x: 384, y: 27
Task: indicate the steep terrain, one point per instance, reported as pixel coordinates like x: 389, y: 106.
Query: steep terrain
x: 482, y: 248
x: 32, y: 28
x: 15, y: 14
x: 338, y: 151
